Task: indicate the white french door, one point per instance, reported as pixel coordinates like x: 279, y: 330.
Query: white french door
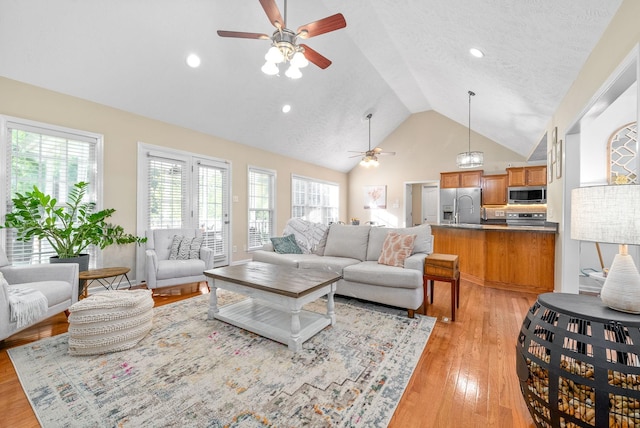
x: 177, y: 189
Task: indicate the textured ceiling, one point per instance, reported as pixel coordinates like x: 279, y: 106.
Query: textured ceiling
x: 394, y: 58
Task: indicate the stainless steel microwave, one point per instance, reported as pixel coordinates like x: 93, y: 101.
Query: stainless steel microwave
x: 527, y: 195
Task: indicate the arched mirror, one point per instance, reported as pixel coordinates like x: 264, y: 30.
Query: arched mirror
x: 623, y: 152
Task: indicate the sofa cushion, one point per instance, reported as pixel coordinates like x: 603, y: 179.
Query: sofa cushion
x: 347, y: 241
x: 327, y: 263
x: 371, y: 272
x: 274, y: 258
x: 179, y: 268
x: 311, y: 237
x: 396, y: 248
x: 56, y: 292
x: 286, y: 245
x: 377, y: 235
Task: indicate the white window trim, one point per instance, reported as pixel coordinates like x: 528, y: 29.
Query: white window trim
x: 274, y: 176
x: 80, y: 134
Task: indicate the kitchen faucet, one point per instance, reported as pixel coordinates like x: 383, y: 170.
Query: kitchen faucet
x: 456, y: 207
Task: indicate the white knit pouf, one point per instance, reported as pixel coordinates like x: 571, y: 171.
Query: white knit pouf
x: 110, y: 321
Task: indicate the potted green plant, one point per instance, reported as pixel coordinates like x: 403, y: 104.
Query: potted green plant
x: 69, y: 229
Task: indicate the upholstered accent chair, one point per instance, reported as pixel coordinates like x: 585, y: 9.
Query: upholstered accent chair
x: 57, y: 282
x: 167, y: 264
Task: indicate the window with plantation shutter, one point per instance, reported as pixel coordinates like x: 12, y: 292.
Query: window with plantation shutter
x: 261, y: 206
x: 314, y: 200
x: 167, y: 183
x: 53, y: 159
x: 183, y: 190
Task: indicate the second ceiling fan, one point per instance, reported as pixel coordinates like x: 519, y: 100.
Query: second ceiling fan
x: 370, y: 157
x: 285, y: 47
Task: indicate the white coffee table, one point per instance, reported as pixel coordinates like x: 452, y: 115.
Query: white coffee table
x: 276, y: 297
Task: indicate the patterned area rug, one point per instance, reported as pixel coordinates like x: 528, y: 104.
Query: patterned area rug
x: 189, y: 371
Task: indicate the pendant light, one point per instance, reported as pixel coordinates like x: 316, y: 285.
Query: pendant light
x: 470, y: 159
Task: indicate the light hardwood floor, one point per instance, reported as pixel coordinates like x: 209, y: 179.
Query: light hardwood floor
x: 465, y: 378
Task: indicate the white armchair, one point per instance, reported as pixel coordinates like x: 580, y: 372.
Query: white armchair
x: 58, y: 283
x: 163, y: 272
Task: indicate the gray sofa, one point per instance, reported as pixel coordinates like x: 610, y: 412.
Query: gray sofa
x: 353, y: 251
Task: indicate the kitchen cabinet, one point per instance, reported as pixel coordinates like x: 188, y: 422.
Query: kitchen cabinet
x: 494, y: 189
x: 449, y: 180
x: 505, y: 258
x: 527, y: 176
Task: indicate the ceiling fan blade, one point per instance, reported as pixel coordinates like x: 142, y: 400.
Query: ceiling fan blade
x: 387, y: 153
x: 357, y: 156
x: 273, y: 13
x: 325, y: 25
x: 315, y: 57
x: 242, y: 35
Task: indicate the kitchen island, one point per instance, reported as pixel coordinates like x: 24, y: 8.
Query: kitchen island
x: 501, y: 256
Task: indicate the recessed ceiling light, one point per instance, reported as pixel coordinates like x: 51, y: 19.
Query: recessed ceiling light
x: 193, y: 61
x: 286, y: 108
x: 476, y: 52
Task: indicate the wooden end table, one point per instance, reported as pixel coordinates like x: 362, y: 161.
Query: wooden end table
x: 106, y: 277
x: 277, y: 294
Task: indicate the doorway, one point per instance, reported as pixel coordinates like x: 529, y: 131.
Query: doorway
x: 422, y: 199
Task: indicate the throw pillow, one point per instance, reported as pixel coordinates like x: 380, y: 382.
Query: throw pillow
x: 185, y: 248
x: 396, y: 249
x: 286, y: 245
x: 194, y: 247
x: 175, y: 247
x: 310, y: 237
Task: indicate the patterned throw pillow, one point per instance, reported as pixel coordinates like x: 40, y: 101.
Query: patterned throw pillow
x: 286, y: 245
x: 310, y: 237
x: 185, y: 248
x: 396, y: 248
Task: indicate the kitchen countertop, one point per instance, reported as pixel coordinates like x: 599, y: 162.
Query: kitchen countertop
x: 548, y: 228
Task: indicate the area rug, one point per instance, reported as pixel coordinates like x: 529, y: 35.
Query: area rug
x: 189, y: 371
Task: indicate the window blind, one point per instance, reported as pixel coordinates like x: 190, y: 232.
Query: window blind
x: 314, y: 200
x: 166, y: 189
x: 53, y: 160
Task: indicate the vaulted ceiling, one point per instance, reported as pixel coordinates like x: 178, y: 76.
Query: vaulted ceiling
x: 393, y: 59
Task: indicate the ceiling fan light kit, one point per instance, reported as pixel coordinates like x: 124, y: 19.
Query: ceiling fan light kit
x: 284, y: 42
x: 470, y: 159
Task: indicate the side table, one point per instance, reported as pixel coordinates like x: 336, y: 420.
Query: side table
x: 106, y: 277
x: 443, y: 268
x: 578, y: 363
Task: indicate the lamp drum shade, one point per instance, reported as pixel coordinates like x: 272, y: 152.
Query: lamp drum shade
x: 608, y: 214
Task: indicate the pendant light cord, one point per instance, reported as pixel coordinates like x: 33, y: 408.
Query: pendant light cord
x: 471, y: 94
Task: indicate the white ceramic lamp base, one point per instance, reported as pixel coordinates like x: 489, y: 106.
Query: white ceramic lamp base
x: 621, y: 289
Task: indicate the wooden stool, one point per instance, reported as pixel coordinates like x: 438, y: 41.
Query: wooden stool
x: 444, y: 268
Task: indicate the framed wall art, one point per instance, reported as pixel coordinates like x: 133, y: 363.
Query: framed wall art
x: 558, y: 150
x: 375, y: 197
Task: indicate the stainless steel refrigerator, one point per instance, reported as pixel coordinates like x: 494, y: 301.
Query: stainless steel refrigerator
x: 462, y: 204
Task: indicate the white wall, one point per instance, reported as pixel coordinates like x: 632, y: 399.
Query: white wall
x: 595, y: 135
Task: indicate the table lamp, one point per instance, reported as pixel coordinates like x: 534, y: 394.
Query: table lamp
x: 611, y: 214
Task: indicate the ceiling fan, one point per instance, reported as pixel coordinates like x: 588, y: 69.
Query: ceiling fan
x: 370, y: 157
x: 284, y: 42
